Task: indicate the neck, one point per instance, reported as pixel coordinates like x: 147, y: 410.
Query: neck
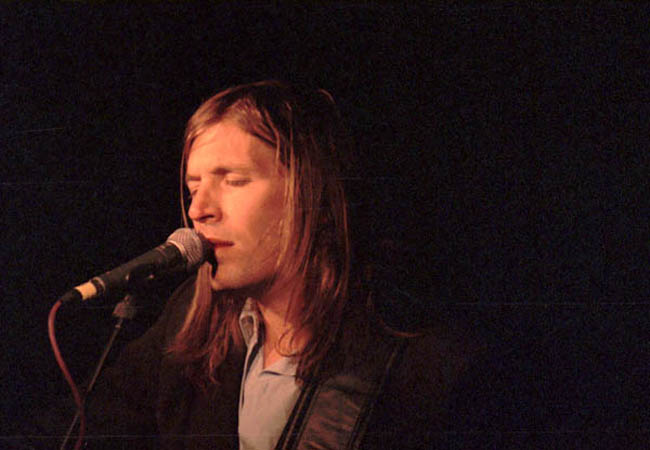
x: 279, y: 320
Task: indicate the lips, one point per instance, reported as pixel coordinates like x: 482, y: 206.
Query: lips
x: 215, y: 242
x: 218, y: 244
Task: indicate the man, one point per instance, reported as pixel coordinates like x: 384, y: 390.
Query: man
x: 273, y: 343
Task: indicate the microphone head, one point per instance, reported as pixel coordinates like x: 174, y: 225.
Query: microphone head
x: 192, y: 246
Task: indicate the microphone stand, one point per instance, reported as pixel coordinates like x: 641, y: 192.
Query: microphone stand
x: 123, y: 310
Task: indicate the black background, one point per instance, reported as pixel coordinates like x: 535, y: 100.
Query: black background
x: 503, y: 152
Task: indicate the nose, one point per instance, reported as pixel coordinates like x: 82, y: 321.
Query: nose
x: 204, y: 206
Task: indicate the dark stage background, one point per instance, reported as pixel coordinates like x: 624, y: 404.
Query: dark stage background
x: 503, y: 163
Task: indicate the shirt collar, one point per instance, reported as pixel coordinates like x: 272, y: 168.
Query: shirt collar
x: 249, y: 322
x: 250, y: 325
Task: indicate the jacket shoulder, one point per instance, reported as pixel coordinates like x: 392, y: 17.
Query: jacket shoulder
x: 413, y: 409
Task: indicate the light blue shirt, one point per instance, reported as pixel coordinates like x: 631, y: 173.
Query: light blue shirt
x: 267, y: 396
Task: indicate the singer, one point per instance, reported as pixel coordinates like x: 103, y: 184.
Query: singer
x: 274, y: 342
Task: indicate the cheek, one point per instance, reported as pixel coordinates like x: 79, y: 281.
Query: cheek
x: 257, y: 219
x: 268, y: 221
x: 257, y: 212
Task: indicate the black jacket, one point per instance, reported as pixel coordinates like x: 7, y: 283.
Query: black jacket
x: 444, y: 391
x: 145, y: 401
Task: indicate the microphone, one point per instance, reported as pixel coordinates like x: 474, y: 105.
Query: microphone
x: 184, y: 249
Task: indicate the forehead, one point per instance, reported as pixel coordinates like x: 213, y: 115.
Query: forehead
x: 225, y: 145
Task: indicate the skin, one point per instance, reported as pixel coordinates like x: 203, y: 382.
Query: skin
x: 238, y: 204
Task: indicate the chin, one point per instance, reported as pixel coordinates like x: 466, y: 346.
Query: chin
x: 247, y: 287
x: 217, y: 283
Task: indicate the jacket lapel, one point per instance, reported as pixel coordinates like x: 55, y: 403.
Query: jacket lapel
x: 333, y: 413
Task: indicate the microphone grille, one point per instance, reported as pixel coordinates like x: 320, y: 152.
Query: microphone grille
x: 193, y: 248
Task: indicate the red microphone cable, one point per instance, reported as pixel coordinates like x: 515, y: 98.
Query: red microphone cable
x: 66, y: 373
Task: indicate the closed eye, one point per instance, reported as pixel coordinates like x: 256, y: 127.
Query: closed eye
x: 237, y: 182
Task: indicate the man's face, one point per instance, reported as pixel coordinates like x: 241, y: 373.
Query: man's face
x: 237, y: 203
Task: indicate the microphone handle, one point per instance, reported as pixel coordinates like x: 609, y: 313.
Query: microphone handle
x: 143, y: 267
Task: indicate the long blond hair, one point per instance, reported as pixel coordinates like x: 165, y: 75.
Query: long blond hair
x: 305, y: 129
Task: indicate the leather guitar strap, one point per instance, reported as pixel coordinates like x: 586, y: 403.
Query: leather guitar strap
x: 334, y: 413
